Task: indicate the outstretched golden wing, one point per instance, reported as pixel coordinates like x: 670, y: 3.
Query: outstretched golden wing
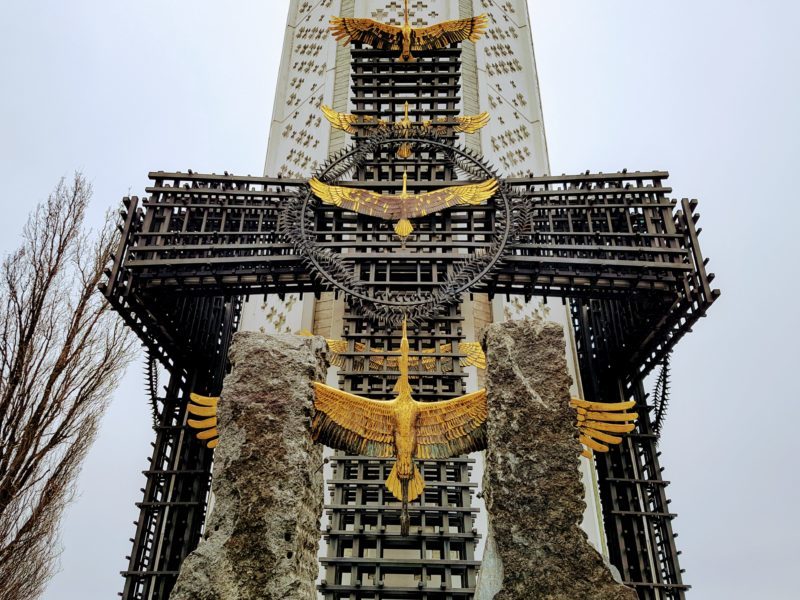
x: 343, y: 121
x: 453, y: 427
x: 204, y: 406
x: 471, y: 123
x: 430, y: 202
x: 473, y: 355
x: 445, y: 33
x: 347, y: 122
x: 595, y: 419
x: 378, y: 35
x: 351, y: 423
x: 358, y: 200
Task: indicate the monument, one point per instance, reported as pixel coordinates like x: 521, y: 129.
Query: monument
x: 402, y: 215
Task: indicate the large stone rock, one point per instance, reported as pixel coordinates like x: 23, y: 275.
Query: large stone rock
x: 262, y: 535
x: 534, y: 497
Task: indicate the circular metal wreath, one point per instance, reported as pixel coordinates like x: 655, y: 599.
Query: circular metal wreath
x: 296, y: 223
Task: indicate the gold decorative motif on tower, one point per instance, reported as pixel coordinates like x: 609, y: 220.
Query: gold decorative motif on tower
x: 473, y: 355
x: 402, y: 428
x: 460, y: 124
x: 405, y: 205
x: 204, y: 406
x: 407, y: 39
x: 598, y: 420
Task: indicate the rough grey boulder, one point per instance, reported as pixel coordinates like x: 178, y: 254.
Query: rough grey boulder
x: 536, y: 549
x: 261, y: 537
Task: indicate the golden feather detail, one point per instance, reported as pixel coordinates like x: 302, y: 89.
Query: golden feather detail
x: 598, y: 421
x: 204, y: 406
x: 348, y: 123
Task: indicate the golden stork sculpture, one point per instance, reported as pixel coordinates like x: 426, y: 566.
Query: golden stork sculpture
x: 401, y: 428
x: 407, y: 39
x: 405, y: 205
x: 348, y: 123
x: 473, y: 355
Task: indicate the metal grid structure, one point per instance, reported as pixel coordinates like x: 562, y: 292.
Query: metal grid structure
x: 211, y: 235
x: 625, y: 254
x: 636, y: 516
x: 367, y: 557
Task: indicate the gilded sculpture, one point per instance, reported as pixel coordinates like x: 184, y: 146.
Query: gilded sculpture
x: 407, y: 39
x: 404, y: 127
x: 204, y: 406
x: 473, y: 355
x: 402, y: 428
x: 405, y: 205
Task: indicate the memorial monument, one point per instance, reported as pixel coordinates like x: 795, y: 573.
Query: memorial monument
x: 407, y: 205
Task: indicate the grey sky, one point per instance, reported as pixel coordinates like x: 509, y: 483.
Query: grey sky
x: 705, y: 89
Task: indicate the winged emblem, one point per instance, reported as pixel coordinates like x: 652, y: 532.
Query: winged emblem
x: 348, y: 123
x: 473, y: 355
x: 403, y: 206
x: 407, y: 39
x: 597, y: 421
x: 402, y: 428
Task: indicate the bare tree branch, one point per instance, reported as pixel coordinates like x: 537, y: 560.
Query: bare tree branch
x: 62, y: 351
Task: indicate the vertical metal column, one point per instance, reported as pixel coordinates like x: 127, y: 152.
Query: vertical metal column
x: 638, y: 524
x: 172, y: 510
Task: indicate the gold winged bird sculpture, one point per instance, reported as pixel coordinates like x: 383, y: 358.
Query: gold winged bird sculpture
x: 405, y: 205
x: 407, y: 39
x: 401, y: 428
x: 348, y: 123
x: 597, y: 422
x: 473, y: 355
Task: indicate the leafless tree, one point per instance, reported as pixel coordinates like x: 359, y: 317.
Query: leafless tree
x: 62, y: 351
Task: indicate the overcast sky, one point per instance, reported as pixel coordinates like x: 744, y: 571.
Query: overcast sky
x: 705, y: 89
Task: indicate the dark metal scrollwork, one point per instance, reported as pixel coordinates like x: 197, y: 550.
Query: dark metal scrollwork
x: 296, y: 224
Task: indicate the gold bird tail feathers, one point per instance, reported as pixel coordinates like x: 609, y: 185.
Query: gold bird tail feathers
x: 204, y: 406
x: 472, y: 123
x: 405, y: 490
x: 344, y: 121
x: 416, y: 485
x: 403, y: 228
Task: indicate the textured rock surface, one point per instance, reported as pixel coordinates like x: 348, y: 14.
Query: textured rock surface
x: 531, y: 483
x: 262, y: 535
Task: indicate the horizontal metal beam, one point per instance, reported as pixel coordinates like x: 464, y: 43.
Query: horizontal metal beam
x: 611, y: 236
